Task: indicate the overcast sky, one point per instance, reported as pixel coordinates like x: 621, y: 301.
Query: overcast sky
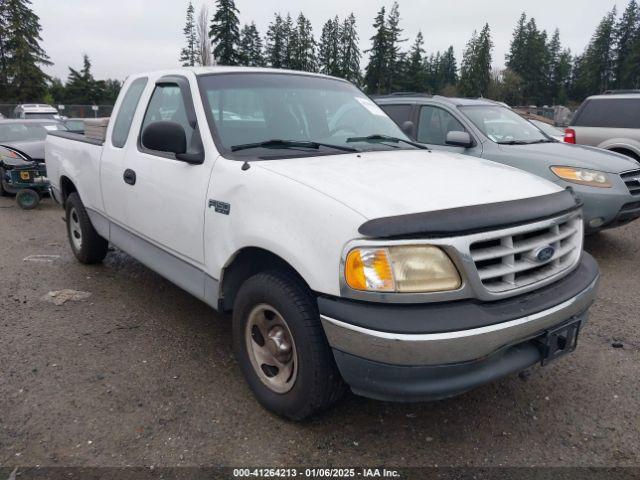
x: 127, y: 36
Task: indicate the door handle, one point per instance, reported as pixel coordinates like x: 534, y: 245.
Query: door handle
x: 129, y: 176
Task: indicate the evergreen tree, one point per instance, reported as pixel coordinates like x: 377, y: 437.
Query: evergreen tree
x: 225, y: 32
x: 350, y: 50
x: 251, y: 46
x: 627, y: 33
x: 276, y: 43
x: 394, y: 60
x: 22, y: 54
x: 594, y: 71
x: 81, y: 88
x: 376, y: 70
x: 204, y: 44
x: 329, y: 48
x: 475, y: 75
x: 448, y: 69
x: 189, y: 54
x: 289, y: 34
x: 414, y: 75
x: 302, y: 46
x: 4, y: 54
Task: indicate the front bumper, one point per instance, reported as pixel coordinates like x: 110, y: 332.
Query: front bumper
x: 389, y: 363
x: 608, y: 208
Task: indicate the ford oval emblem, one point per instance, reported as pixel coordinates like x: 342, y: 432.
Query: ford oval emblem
x: 544, y: 254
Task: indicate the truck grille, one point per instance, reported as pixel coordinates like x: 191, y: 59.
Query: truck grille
x: 632, y: 181
x: 507, y: 262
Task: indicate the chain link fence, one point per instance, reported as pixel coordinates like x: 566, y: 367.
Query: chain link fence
x: 70, y: 111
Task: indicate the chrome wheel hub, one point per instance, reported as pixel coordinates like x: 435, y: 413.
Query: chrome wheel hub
x: 271, y: 348
x: 75, y: 232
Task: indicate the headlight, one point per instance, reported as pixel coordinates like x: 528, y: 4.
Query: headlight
x: 404, y: 269
x: 593, y: 178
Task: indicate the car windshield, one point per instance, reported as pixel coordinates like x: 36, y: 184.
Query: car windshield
x: 25, y: 132
x: 41, y: 116
x: 272, y: 115
x: 548, y: 129
x: 502, y: 125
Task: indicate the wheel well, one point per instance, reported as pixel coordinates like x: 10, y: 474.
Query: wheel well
x: 67, y: 187
x: 247, y: 263
x: 626, y: 152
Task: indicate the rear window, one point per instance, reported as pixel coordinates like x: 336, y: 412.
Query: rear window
x: 609, y: 113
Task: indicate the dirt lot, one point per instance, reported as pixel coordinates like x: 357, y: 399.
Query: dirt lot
x: 141, y: 373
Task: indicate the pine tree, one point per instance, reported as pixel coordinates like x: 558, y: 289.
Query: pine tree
x: 81, y: 88
x: 23, y: 54
x: 394, y: 40
x: 302, y: 46
x: 251, y: 46
x: 225, y: 32
x: 414, y: 75
x: 627, y: 33
x: 594, y: 71
x: 276, y: 41
x: 517, y: 56
x: 329, y: 48
x: 350, y: 50
x: 289, y: 35
x: 204, y: 44
x: 376, y: 70
x: 448, y: 69
x: 4, y: 38
x: 475, y: 75
x: 189, y: 54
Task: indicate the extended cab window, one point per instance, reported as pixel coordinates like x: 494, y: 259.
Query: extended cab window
x: 609, y: 113
x: 434, y: 125
x: 167, y: 105
x: 127, y: 111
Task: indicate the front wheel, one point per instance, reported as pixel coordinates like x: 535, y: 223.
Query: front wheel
x: 3, y: 192
x: 281, y: 347
x: 27, y: 199
x: 87, y: 245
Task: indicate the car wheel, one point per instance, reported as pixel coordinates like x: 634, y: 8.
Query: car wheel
x: 87, y: 245
x: 27, y: 199
x: 281, y: 347
x: 3, y: 192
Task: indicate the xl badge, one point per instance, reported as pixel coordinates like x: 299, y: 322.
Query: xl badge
x: 544, y: 254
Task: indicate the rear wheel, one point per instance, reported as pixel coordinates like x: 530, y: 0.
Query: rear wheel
x: 87, y: 245
x: 281, y: 347
x: 27, y: 199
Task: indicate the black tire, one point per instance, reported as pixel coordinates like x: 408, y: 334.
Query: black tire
x: 3, y: 192
x: 87, y: 245
x: 27, y: 199
x: 318, y: 384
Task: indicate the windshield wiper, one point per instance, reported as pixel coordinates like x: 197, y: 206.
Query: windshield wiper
x: 514, y: 142
x: 286, y: 144
x: 377, y: 138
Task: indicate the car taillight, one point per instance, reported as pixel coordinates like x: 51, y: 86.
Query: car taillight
x: 570, y: 136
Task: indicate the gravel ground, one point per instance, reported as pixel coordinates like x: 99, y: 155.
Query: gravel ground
x: 141, y: 373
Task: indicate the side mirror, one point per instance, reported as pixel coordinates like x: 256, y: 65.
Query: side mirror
x: 407, y: 128
x: 459, y: 139
x: 167, y: 137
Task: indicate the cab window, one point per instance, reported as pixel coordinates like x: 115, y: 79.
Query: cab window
x: 127, y: 111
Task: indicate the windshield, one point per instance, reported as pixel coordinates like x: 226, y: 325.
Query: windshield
x: 502, y: 125
x: 25, y: 132
x: 41, y: 116
x: 548, y: 129
x: 247, y: 112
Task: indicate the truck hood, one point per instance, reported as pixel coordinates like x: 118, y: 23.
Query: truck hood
x: 564, y: 154
x: 381, y: 184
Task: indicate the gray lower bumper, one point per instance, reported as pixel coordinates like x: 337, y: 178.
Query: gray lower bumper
x: 450, y: 347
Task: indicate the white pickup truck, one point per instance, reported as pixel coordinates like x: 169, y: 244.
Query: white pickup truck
x: 348, y: 254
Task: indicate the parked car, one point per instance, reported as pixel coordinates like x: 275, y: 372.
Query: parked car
x: 27, y: 135
x: 610, y: 121
x: 22, y: 177
x: 346, y: 252
x: 36, y: 111
x: 606, y: 182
